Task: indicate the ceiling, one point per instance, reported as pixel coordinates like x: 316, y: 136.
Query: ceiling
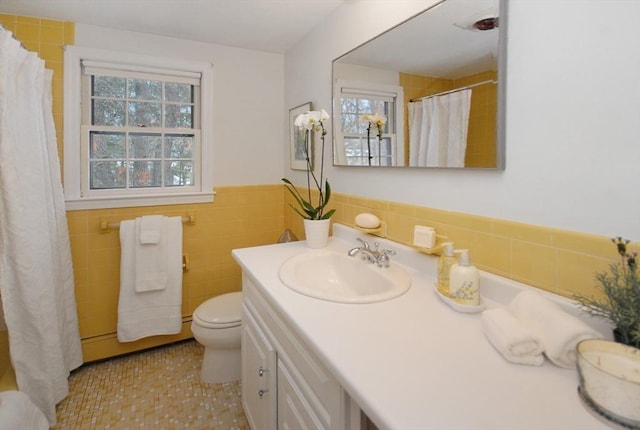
x: 264, y: 25
x: 440, y: 42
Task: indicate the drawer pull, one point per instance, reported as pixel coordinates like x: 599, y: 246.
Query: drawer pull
x: 262, y: 371
x: 261, y: 393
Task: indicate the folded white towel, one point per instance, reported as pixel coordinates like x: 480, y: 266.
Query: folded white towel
x: 560, y: 331
x: 156, y: 312
x: 151, y: 258
x: 151, y: 229
x: 511, y: 338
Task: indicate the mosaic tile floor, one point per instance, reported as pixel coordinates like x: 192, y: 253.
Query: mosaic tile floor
x: 155, y: 389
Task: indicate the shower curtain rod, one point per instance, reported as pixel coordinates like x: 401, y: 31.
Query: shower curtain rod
x: 466, y: 87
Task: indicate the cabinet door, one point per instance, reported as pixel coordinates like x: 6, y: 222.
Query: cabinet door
x: 258, y: 375
x: 294, y: 412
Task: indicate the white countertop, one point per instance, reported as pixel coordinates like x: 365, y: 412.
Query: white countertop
x: 413, y: 362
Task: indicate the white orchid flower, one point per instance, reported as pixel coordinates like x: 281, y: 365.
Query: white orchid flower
x: 311, y: 120
x: 303, y: 121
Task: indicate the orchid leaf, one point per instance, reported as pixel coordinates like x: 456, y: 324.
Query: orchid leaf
x: 328, y: 214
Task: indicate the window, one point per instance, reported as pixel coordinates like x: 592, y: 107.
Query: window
x: 140, y: 130
x: 355, y: 145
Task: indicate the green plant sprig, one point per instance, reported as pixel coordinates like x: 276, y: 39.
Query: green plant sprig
x: 620, y: 301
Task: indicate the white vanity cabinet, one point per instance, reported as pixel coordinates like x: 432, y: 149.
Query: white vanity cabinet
x: 258, y: 381
x: 284, y: 386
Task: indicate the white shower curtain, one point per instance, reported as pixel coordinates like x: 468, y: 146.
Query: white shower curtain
x: 36, y: 274
x: 438, y: 130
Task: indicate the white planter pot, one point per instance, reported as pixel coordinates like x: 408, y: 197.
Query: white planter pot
x: 317, y: 232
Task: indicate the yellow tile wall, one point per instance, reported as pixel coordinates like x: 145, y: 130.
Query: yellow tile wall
x: 481, y: 146
x: 560, y: 261
x: 239, y: 217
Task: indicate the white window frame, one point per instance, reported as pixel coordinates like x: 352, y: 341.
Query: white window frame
x: 73, y: 161
x: 344, y: 86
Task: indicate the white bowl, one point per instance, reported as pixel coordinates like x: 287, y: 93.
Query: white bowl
x: 609, y: 375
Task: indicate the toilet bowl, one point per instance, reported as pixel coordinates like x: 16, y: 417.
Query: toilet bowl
x: 216, y: 325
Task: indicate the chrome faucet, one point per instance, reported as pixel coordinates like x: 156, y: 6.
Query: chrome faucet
x: 380, y: 258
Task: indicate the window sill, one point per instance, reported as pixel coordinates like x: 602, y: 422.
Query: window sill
x: 137, y: 201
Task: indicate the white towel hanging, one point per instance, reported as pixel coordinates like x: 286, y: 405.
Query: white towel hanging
x: 152, y: 312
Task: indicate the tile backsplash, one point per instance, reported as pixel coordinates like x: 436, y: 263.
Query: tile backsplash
x: 560, y: 261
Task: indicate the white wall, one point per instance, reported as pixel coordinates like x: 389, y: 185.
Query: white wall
x: 249, y: 114
x: 573, y: 116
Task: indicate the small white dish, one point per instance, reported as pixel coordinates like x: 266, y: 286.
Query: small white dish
x: 458, y: 307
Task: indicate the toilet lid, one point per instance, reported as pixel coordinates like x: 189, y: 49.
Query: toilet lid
x: 220, y: 312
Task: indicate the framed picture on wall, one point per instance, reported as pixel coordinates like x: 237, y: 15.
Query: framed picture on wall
x: 297, y: 140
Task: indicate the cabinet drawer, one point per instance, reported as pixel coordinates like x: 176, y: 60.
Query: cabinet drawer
x: 294, y: 412
x: 316, y: 383
x: 258, y: 364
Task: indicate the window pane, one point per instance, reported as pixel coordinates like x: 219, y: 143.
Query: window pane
x: 143, y: 114
x: 178, y: 173
x: 108, y: 86
x: 350, y: 124
x: 108, y: 174
x: 178, y: 116
x: 378, y: 106
x: 178, y: 146
x: 353, y: 147
x: 107, y: 145
x: 145, y: 174
x: 181, y: 93
x: 364, y: 106
x: 143, y: 89
x: 108, y: 112
x: 142, y: 133
x: 348, y: 105
x: 145, y: 145
x: 385, y: 146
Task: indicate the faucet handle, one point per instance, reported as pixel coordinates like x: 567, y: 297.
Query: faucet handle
x: 383, y: 259
x: 364, y: 243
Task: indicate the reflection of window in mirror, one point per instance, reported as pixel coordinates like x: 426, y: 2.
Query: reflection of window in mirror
x: 357, y: 143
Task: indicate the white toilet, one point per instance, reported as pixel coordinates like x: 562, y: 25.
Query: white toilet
x: 216, y: 325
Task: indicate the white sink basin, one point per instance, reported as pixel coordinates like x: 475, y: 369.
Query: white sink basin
x: 337, y: 277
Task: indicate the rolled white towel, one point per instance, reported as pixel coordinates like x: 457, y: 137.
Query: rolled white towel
x: 560, y: 332
x: 511, y: 337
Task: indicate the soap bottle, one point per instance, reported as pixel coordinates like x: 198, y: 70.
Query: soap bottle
x: 446, y: 260
x: 464, y: 281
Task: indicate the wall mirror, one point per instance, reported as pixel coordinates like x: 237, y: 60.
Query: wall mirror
x: 426, y: 93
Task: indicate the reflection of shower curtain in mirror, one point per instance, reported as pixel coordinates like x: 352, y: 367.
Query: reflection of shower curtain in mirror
x: 438, y: 130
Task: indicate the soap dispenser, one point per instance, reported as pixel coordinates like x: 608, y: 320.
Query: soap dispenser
x: 464, y: 280
x: 446, y: 260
